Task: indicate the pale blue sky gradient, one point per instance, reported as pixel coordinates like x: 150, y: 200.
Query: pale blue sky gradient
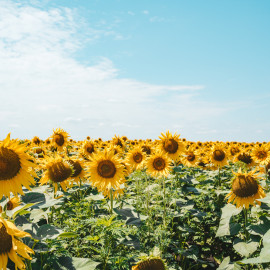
x: 136, y: 68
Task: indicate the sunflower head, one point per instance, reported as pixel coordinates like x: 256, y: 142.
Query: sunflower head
x: 151, y: 263
x: 245, y: 189
x: 218, y: 155
x: 261, y: 154
x: 15, y: 168
x: 171, y: 144
x: 59, y: 138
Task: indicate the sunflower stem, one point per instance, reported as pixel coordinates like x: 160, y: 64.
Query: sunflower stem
x: 111, y: 197
x: 164, y: 202
x: 219, y: 183
x: 245, y: 224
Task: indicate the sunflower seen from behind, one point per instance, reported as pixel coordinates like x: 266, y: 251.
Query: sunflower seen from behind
x: 16, y: 170
x: 245, y: 189
x: 150, y: 263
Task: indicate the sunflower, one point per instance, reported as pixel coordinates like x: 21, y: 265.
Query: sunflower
x: 190, y: 157
x: 15, y: 168
x: 218, y: 155
x: 158, y: 164
x: 106, y: 170
x: 88, y: 148
x: 36, y: 140
x: 261, y: 154
x: 136, y: 158
x: 59, y: 138
x: 58, y: 171
x: 13, y: 203
x: 150, y: 263
x: 245, y: 157
x: 171, y: 144
x: 78, y: 173
x: 245, y: 190
x: 11, y: 247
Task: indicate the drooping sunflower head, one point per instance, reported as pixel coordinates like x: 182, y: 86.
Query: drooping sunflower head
x: 58, y: 171
x: 158, y: 164
x: 106, y: 170
x: 59, y: 138
x: 13, y: 203
x: 78, y: 170
x: 218, y: 155
x: 15, y: 168
x: 245, y: 189
x: 245, y: 157
x: 154, y: 263
x: 261, y: 154
x: 171, y: 144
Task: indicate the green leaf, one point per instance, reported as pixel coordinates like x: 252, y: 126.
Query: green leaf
x: 67, y: 234
x: 21, y: 210
x: 225, y: 228
x: 245, y: 249
x: 84, y: 264
x: 48, y: 231
x: 226, y: 265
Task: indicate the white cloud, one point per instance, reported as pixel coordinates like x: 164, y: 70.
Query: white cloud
x: 43, y: 87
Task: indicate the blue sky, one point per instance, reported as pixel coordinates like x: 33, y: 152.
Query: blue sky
x: 136, y: 68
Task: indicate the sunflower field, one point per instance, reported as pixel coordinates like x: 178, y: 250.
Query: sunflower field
x: 133, y: 204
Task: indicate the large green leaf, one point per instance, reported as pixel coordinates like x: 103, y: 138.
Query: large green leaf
x: 226, y: 265
x: 225, y: 228
x: 245, y: 249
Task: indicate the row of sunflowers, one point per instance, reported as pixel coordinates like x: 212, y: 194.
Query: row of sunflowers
x: 107, y: 167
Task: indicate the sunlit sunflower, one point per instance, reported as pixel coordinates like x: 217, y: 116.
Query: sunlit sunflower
x: 190, y: 157
x: 13, y: 203
x: 78, y: 172
x: 261, y: 154
x: 233, y: 150
x: 88, y: 148
x: 171, y: 144
x: 158, y: 164
x: 106, y: 170
x: 117, y: 140
x: 36, y: 140
x: 57, y: 171
x: 244, y: 156
x: 151, y: 263
x: 136, y: 158
x: 59, y: 138
x: 245, y: 190
x: 12, y: 248
x: 218, y: 155
x: 16, y: 170
x: 147, y: 148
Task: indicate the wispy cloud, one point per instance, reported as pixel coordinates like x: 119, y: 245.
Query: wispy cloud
x: 43, y: 86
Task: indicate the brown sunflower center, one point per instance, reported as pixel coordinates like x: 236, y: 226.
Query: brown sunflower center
x: 218, y: 155
x: 106, y: 169
x: 90, y: 149
x: 261, y: 155
x: 245, y: 158
x: 159, y: 164
x: 170, y: 146
x: 9, y: 163
x: 267, y: 168
x: 152, y: 264
x: 59, y: 172
x: 244, y: 186
x: 5, y: 240
x: 190, y: 156
x: 77, y: 168
x: 138, y: 157
x: 9, y: 205
x: 234, y: 150
x: 59, y: 139
x: 146, y: 149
